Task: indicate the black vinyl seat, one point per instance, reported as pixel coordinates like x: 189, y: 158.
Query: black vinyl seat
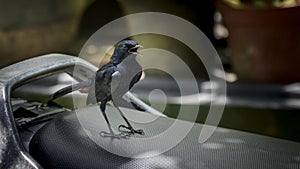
x: 66, y: 143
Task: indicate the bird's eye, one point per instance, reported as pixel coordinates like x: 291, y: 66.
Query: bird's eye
x: 125, y: 47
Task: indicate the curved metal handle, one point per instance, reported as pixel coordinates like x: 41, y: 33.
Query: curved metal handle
x: 11, y: 151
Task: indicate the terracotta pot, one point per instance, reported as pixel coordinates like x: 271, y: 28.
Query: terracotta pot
x: 264, y: 43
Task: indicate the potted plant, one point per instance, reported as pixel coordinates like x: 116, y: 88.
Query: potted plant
x: 264, y: 39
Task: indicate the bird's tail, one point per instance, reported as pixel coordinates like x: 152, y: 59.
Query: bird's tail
x: 69, y: 89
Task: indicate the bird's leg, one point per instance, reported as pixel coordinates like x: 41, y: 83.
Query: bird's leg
x: 111, y: 133
x: 129, y: 126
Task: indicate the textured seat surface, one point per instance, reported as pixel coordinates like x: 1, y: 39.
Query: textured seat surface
x: 73, y: 141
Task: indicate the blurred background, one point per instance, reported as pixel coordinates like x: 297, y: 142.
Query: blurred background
x: 258, y: 42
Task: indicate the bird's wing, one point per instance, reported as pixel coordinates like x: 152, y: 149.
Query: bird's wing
x: 115, y: 81
x: 105, y: 83
x: 91, y: 99
x: 135, y: 79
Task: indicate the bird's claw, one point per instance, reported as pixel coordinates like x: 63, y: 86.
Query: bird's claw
x: 131, y: 130
x: 121, y: 135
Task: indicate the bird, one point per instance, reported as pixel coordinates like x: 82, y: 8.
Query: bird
x: 110, y: 83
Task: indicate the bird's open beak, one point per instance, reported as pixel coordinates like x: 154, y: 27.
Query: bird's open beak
x: 134, y: 49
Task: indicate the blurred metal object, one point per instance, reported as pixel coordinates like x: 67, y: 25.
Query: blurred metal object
x: 12, y: 154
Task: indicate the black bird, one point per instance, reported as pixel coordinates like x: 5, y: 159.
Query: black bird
x: 110, y: 83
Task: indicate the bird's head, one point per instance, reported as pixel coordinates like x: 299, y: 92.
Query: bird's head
x: 124, y: 49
